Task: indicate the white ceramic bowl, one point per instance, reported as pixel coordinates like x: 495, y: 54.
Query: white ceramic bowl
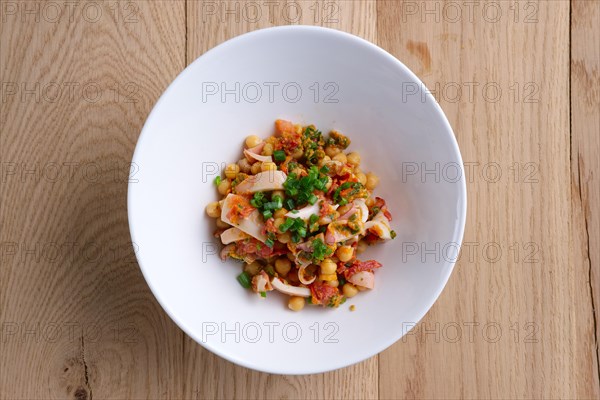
x: 307, y: 75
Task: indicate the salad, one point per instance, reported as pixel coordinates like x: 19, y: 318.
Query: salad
x: 297, y: 210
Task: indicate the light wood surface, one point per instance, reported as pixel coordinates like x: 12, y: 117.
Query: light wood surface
x: 520, y: 84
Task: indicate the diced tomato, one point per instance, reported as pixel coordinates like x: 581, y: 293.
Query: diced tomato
x: 252, y: 246
x: 379, y: 202
x: 282, y: 126
x: 326, y: 209
x: 270, y: 226
x: 357, y: 266
x: 322, y: 293
x: 371, y: 238
x: 240, y: 208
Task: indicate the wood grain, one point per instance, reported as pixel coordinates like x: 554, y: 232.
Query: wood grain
x: 508, y: 324
x: 520, y: 84
x: 78, y: 320
x: 585, y: 168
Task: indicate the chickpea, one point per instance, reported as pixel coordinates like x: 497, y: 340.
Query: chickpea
x: 280, y: 213
x: 328, y: 267
x: 253, y: 141
x: 324, y: 160
x: 253, y: 268
x: 362, y: 178
x: 222, y: 224
x: 298, y: 153
x: 361, y: 247
x: 285, y: 237
x: 328, y: 184
x: 296, y: 303
x: 349, y: 290
x: 328, y: 277
x: 255, y: 169
x: 283, y: 266
x: 278, y: 221
x: 244, y: 165
x: 332, y: 151
x: 345, y: 253
x: 341, y: 157
x: 268, y: 166
x: 334, y: 283
x: 353, y: 158
x: 372, y: 181
x: 232, y: 170
x: 213, y: 209
x: 267, y: 150
x: 370, y: 202
x: 224, y: 186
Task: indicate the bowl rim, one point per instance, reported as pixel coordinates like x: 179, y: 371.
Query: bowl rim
x: 462, y: 209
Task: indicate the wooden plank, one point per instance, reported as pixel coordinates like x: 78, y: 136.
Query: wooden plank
x: 510, y: 322
x: 79, y: 79
x: 585, y: 173
x: 210, y: 23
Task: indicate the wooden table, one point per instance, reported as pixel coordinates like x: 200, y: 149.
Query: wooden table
x: 520, y: 84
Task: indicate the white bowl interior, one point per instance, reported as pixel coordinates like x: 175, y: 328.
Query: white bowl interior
x: 191, y: 134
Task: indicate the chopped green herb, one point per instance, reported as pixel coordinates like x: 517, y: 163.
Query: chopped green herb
x: 393, y: 234
x: 218, y: 180
x: 269, y: 270
x: 312, y: 199
x: 269, y: 242
x: 320, y: 250
x: 263, y: 294
x: 257, y: 200
x: 289, y: 204
x: 267, y: 214
x: 279, y: 155
x: 244, y: 280
x: 287, y: 224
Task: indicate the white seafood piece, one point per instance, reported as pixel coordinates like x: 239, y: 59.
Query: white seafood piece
x: 363, y: 278
x: 262, y: 182
x: 283, y: 287
x: 305, y: 212
x: 380, y: 226
x: 254, y: 153
x: 252, y: 224
x: 233, y: 234
x: 261, y: 283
